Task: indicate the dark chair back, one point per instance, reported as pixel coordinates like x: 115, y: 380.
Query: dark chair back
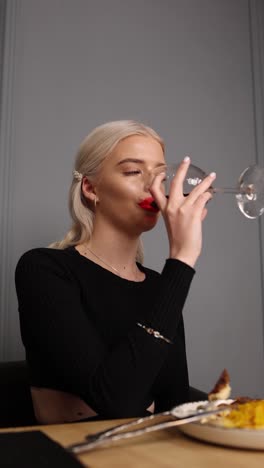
x: 197, y: 395
x: 16, y: 408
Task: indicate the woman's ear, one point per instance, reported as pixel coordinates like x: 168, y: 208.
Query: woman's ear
x: 88, y: 190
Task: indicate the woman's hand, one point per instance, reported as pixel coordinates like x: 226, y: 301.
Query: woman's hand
x: 183, y: 215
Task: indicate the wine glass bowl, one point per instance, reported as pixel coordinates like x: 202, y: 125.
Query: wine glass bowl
x: 194, y: 177
x: 250, y: 196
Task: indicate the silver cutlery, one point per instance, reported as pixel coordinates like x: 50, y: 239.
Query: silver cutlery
x: 115, y: 433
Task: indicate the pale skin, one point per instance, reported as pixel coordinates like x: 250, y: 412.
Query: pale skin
x: 119, y: 221
x: 126, y: 178
x: 183, y: 216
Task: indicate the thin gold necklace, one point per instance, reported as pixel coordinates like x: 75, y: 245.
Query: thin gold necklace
x: 103, y: 261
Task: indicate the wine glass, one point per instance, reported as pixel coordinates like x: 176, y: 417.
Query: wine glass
x: 249, y: 191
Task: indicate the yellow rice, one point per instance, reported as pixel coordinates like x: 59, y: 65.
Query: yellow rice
x: 248, y: 415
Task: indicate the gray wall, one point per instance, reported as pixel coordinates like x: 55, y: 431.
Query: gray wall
x: 193, y: 70
x: 2, y: 36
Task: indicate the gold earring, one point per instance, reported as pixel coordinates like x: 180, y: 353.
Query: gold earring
x: 95, y: 201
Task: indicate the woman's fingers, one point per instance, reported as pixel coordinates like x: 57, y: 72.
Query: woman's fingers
x: 200, y: 204
x: 201, y: 188
x: 183, y: 216
x: 198, y: 197
x: 158, y: 192
x: 176, y: 188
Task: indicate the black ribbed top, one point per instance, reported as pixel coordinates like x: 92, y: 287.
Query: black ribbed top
x: 79, y: 327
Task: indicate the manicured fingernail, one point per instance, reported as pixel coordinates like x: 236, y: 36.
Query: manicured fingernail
x: 186, y: 159
x: 213, y: 174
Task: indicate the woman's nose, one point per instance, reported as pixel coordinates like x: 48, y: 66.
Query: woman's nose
x: 148, y: 180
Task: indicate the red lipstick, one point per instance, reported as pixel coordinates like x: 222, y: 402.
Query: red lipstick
x: 149, y: 204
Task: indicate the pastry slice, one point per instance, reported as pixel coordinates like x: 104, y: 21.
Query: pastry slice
x: 222, y: 388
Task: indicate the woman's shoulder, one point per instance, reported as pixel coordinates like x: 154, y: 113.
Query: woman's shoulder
x: 44, y: 264
x: 45, y: 257
x: 41, y: 254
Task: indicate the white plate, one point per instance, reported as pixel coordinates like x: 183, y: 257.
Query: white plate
x: 242, y: 438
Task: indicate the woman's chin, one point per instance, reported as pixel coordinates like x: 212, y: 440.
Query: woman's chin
x: 150, y: 221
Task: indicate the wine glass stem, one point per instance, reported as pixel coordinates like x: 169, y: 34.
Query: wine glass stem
x: 225, y: 190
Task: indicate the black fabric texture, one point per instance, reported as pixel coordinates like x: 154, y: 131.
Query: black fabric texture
x: 16, y: 407
x: 79, y: 327
x: 33, y: 449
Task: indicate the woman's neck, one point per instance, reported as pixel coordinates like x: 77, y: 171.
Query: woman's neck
x: 114, y: 251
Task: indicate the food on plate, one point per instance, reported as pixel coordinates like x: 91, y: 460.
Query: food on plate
x: 246, y: 413
x: 222, y: 388
x: 249, y: 415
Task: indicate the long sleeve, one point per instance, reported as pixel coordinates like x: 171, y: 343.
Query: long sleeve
x: 170, y: 296
x: 69, y: 348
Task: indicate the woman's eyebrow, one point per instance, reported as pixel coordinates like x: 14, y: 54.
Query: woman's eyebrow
x: 138, y: 161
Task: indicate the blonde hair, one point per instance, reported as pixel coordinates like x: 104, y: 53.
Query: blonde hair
x: 94, y: 149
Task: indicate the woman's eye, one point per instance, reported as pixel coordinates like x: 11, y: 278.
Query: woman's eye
x: 135, y: 172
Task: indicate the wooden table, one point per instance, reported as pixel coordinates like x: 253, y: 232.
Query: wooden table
x: 161, y: 449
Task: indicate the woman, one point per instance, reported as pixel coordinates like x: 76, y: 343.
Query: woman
x: 103, y: 334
